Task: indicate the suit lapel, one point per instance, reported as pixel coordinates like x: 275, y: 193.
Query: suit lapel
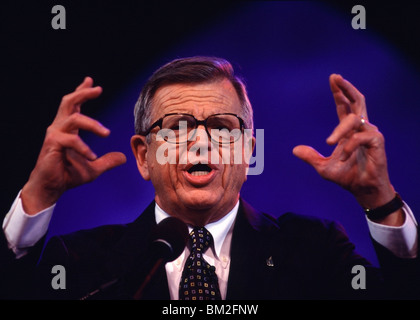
x: 253, y: 263
x: 130, y: 258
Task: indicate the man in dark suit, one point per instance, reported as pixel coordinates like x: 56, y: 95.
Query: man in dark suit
x: 188, y: 120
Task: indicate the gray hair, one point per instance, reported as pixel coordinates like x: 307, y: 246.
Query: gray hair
x: 193, y: 70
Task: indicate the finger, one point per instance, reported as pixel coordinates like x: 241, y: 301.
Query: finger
x: 71, y: 102
x: 357, y: 100
x: 79, y: 121
x: 86, y: 171
x: 87, y: 83
x: 350, y: 123
x: 310, y: 156
x: 341, y: 102
x: 83, y: 171
x: 72, y: 141
x: 108, y: 161
x: 370, y: 139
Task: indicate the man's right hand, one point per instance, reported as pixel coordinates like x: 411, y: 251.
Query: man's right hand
x: 65, y: 161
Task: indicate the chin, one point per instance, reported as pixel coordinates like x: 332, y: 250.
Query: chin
x: 200, y: 199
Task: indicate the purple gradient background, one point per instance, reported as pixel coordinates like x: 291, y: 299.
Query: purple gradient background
x: 286, y: 52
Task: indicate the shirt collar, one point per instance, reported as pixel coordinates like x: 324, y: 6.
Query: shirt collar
x: 218, y: 229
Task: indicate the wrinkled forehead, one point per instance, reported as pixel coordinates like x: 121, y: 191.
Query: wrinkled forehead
x: 200, y: 100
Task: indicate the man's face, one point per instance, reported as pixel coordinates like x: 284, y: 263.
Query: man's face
x: 195, y: 194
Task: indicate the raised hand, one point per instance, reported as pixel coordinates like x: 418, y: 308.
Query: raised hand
x: 358, y: 162
x: 65, y: 161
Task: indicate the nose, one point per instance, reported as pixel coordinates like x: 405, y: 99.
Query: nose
x: 199, y: 147
x: 200, y: 132
x: 200, y: 136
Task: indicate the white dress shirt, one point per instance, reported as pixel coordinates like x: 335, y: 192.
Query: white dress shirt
x: 23, y: 231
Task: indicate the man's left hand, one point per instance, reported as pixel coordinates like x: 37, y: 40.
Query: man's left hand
x: 358, y: 162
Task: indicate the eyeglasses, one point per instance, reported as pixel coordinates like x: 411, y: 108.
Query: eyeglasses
x: 223, y: 128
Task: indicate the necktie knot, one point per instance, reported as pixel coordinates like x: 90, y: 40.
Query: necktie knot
x: 201, y: 239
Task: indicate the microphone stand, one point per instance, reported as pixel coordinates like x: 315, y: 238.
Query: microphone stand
x: 101, y: 288
x: 139, y: 294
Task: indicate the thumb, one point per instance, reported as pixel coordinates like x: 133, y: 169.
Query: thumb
x: 108, y: 161
x: 309, y: 155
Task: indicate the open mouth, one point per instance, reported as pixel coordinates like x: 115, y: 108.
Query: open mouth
x: 199, y: 170
x: 200, y: 175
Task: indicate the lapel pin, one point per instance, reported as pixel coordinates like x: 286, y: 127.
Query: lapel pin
x: 270, y: 262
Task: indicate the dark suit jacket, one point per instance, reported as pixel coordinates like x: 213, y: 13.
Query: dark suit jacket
x: 292, y: 257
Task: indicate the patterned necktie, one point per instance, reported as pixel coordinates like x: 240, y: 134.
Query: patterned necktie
x: 199, y: 279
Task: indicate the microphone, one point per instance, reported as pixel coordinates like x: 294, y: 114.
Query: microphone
x: 167, y: 242
x: 169, y: 238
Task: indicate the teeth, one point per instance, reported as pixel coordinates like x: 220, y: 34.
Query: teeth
x: 199, y: 173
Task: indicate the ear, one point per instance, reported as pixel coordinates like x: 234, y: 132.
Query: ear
x: 139, y: 147
x: 253, y: 143
x: 249, y: 141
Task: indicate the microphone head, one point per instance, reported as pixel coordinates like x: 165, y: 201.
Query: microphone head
x: 169, y: 238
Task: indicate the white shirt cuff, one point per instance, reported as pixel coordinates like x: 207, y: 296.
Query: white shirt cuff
x: 23, y: 230
x: 401, y: 241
